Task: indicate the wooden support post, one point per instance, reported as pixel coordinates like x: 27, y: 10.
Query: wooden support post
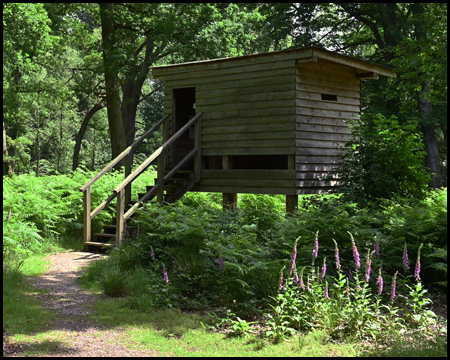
x: 291, y: 200
x: 291, y: 203
x: 119, y: 215
x: 198, y: 145
x: 128, y: 165
x: 229, y: 200
x: 86, y: 216
x: 160, y: 171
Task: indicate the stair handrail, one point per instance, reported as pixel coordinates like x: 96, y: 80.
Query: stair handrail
x: 120, y: 189
x: 88, y: 215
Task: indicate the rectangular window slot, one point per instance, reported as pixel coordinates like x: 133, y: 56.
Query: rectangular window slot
x: 329, y: 97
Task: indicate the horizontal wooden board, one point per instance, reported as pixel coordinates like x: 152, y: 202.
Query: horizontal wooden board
x: 327, y: 113
x: 237, y: 91
x: 245, y: 105
x: 245, y: 189
x: 245, y: 69
x: 322, y: 137
x: 322, y: 68
x: 209, y: 128
x: 323, y: 143
x: 249, y: 151
x: 306, y: 151
x: 315, y: 167
x: 247, y: 136
x: 322, y: 128
x: 321, y: 190
x: 246, y: 98
x: 248, y: 182
x: 159, y: 72
x: 333, y: 83
x: 311, y: 96
x: 314, y: 120
x: 326, y: 105
x: 241, y: 78
x: 269, y: 143
x: 277, y: 122
x: 249, y: 113
x: 311, y: 175
x: 316, y: 183
x: 324, y: 89
x: 248, y: 174
x: 328, y: 160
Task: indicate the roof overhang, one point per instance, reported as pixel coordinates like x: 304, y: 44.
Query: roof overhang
x: 364, y: 69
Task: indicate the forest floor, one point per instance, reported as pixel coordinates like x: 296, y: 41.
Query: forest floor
x: 77, y: 334
x: 74, y: 331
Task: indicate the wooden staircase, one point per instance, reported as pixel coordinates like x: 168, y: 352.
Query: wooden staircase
x: 170, y: 185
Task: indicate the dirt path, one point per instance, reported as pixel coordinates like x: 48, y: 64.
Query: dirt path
x: 73, y: 303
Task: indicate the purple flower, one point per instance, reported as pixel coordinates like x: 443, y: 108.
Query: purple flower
x: 165, y: 274
x: 295, y: 279
x: 350, y: 277
x: 405, y: 258
x: 417, y: 269
x: 377, y: 248
x: 307, y: 284
x: 355, y: 253
x: 152, y: 255
x: 380, y: 282
x: 9, y: 214
x: 294, y: 256
x: 220, y: 263
x: 336, y: 256
x: 326, y: 290
x: 316, y: 246
x: 300, y: 284
x: 368, y: 265
x: 394, y: 281
x: 281, y: 278
x: 324, y: 268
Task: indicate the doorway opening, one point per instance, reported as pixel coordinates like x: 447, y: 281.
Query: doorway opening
x: 183, y: 111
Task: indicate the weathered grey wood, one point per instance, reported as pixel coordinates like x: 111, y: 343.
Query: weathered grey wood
x: 291, y: 203
x: 248, y: 174
x: 103, y: 205
x: 245, y: 189
x: 87, y: 215
x: 119, y: 216
x: 249, y: 151
x: 198, y: 147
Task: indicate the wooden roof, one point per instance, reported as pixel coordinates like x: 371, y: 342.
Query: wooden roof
x: 364, y: 69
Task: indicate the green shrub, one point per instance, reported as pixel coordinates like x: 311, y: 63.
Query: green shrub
x: 383, y: 159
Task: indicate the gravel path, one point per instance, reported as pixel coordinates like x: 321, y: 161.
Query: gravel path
x: 72, y: 303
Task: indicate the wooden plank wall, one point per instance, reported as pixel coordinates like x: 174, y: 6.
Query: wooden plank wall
x: 319, y: 123
x: 248, y: 109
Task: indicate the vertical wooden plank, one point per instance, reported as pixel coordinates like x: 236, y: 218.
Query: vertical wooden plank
x: 86, y: 216
x: 229, y: 200
x: 198, y: 145
x: 119, y: 215
x: 160, y: 177
x: 291, y: 200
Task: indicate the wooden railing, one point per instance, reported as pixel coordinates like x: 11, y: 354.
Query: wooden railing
x: 119, y: 191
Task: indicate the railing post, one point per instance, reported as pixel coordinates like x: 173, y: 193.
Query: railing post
x: 86, y: 216
x: 119, y: 216
x: 160, y: 178
x: 198, y: 146
x: 128, y: 163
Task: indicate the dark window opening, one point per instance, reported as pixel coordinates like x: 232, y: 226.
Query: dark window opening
x: 248, y: 162
x: 329, y: 97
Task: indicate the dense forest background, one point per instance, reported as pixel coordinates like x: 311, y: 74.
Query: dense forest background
x: 77, y: 85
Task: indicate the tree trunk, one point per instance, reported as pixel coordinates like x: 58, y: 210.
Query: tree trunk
x: 116, y: 128
x: 7, y: 168
x: 429, y: 137
x: 80, y: 135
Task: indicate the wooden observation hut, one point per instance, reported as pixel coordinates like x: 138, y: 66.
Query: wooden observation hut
x: 271, y: 123
x: 263, y: 124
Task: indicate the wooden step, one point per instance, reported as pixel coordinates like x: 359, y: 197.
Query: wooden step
x: 92, y: 243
